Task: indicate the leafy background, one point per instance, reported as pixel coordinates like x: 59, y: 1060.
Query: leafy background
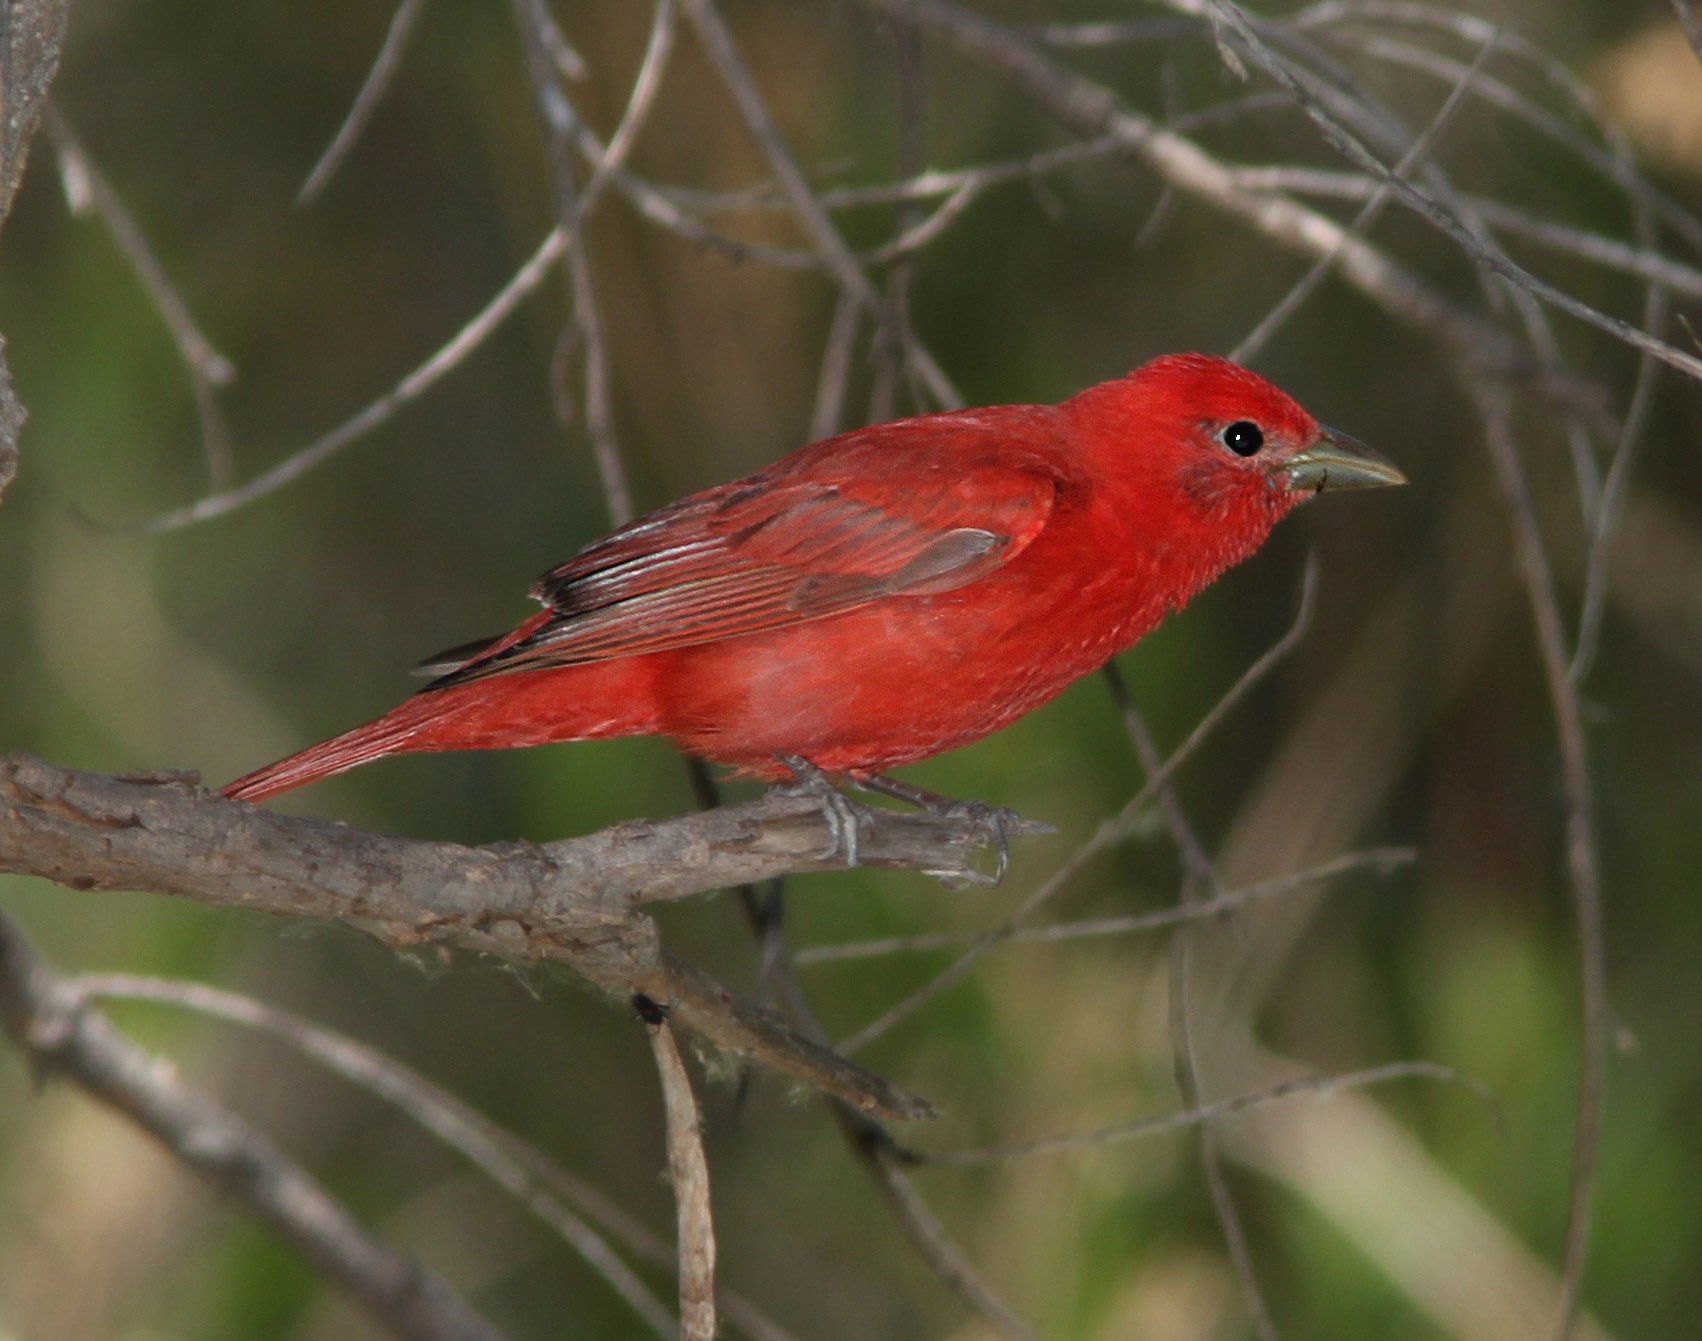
x: 1413, y: 714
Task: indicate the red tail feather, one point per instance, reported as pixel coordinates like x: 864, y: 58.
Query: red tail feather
x: 585, y: 702
x: 388, y: 735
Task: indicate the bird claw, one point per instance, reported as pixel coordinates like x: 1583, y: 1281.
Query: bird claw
x: 845, y: 818
x: 994, y: 824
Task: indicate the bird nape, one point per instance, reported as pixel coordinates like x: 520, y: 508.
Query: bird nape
x: 881, y: 596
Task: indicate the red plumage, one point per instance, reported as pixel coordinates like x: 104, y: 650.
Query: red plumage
x: 881, y: 596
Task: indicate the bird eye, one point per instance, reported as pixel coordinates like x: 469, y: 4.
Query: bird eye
x: 1243, y: 437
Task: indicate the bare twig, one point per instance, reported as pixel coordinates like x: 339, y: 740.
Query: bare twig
x: 559, y: 120
x: 864, y: 1136
x: 1640, y: 261
x: 410, y: 388
x: 1093, y: 36
x: 1315, y: 1087
x: 718, y: 42
x: 1605, y: 522
x: 512, y: 1165
x: 1582, y: 862
x: 1198, y: 872
x: 11, y: 424
x: 372, y: 91
x: 886, y: 1163
x: 1427, y: 208
x: 1691, y: 22
x: 1303, y: 288
x: 87, y: 188
x: 828, y: 417
x: 1092, y: 111
x: 563, y: 1201
x: 688, y: 1171
x: 49, y: 1022
x: 1380, y: 859
x: 646, y: 86
x: 893, y: 333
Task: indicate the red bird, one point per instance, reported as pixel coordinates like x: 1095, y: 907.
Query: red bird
x: 881, y: 596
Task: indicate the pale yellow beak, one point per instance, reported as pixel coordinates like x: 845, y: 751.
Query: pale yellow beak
x: 1337, y: 461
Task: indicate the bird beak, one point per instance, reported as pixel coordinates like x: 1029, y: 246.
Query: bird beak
x: 1336, y: 461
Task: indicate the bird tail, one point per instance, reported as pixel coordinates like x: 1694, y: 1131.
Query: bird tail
x: 582, y: 702
x: 392, y: 733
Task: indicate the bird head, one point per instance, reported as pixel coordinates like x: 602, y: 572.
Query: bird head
x: 1195, y: 455
x: 1226, y: 436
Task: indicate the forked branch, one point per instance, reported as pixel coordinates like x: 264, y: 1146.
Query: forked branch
x: 579, y: 901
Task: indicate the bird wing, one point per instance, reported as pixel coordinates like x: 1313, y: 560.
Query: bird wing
x: 804, y: 540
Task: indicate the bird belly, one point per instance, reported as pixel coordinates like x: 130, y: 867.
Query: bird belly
x: 881, y: 686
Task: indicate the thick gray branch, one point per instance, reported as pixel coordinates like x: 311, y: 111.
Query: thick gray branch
x: 579, y: 901
x: 31, y: 32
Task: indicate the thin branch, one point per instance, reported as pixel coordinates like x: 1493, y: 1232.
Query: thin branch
x: 1097, y: 36
x: 1639, y: 261
x: 31, y: 34
x: 372, y: 91
x: 1380, y: 859
x: 1368, y: 213
x: 828, y: 417
x: 1605, y: 522
x: 724, y: 54
x: 863, y: 1135
x: 893, y: 332
x: 688, y: 1171
x: 516, y: 1167
x: 450, y: 356
x: 1617, y: 163
x: 54, y: 1028
x: 1315, y: 1087
x: 1691, y: 22
x: 527, y: 280
x: 87, y: 188
x: 11, y: 424
x: 1092, y: 111
x: 1492, y: 259
x: 646, y: 86
x: 1198, y: 871
x: 559, y: 121
x: 1583, y: 867
x: 886, y: 1163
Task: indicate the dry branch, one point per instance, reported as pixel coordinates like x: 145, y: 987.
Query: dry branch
x: 31, y: 32
x: 688, y: 1172
x: 52, y: 1025
x: 578, y: 901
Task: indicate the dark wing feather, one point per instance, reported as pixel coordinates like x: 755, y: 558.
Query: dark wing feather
x: 780, y: 549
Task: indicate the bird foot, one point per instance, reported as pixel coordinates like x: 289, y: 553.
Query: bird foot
x: 845, y: 818
x: 994, y: 823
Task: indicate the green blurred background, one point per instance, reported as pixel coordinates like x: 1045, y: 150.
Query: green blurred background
x: 1413, y: 714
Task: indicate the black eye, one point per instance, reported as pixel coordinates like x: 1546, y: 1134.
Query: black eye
x: 1243, y: 437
